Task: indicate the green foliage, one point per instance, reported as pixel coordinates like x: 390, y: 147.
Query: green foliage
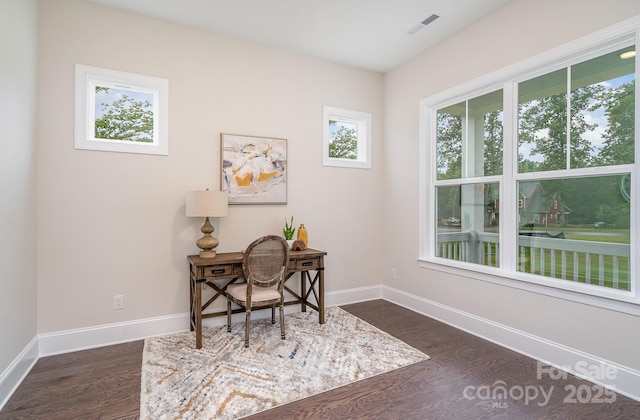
x: 344, y: 143
x: 614, y: 214
x: 543, y: 124
x: 619, y: 107
x: 493, y: 130
x: 449, y: 145
x: 288, y: 229
x: 125, y: 119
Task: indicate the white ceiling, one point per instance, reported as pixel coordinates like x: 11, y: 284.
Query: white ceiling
x: 369, y: 34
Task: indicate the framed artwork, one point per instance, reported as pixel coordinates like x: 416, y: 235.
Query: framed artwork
x: 253, y: 169
x: 121, y: 112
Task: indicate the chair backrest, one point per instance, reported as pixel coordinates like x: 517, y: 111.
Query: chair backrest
x: 265, y: 260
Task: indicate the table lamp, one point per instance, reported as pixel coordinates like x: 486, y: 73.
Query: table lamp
x: 207, y: 204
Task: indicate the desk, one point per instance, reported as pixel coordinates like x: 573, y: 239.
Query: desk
x: 227, y: 268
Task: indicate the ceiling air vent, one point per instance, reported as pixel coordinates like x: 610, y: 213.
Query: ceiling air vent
x: 422, y: 24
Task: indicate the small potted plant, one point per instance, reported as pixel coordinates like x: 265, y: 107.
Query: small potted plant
x: 288, y: 231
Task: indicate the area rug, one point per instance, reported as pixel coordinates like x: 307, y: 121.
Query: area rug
x: 225, y: 380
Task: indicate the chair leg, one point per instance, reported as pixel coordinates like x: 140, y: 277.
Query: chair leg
x: 282, y: 321
x: 247, y: 322
x: 228, y: 315
x: 273, y: 314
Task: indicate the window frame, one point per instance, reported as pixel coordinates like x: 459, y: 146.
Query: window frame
x: 508, y: 79
x: 87, y: 78
x: 363, y: 121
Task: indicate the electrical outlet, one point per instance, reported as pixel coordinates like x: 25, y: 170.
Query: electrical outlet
x: 393, y: 274
x: 118, y: 302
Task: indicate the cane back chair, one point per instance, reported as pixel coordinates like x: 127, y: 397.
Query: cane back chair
x: 265, y: 264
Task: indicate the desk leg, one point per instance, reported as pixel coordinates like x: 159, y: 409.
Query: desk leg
x: 321, y: 296
x: 303, y: 290
x: 192, y: 313
x: 198, y: 313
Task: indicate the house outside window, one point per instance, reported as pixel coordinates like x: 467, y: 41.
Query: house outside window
x: 538, y: 169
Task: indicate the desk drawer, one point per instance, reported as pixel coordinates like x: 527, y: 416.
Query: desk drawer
x: 304, y: 264
x: 223, y: 271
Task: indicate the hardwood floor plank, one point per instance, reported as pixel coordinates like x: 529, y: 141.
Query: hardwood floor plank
x: 89, y: 384
x: 105, y: 383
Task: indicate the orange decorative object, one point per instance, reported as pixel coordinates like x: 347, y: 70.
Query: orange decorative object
x: 302, y: 235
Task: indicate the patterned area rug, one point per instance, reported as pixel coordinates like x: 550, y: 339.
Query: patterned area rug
x: 224, y: 380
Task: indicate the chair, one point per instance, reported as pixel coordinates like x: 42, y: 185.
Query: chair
x: 265, y: 264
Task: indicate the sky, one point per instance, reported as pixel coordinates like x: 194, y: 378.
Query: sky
x: 333, y: 128
x: 114, y: 94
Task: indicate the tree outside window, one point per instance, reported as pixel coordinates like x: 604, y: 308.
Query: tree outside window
x: 346, y: 138
x: 123, y: 115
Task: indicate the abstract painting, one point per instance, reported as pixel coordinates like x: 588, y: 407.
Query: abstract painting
x: 253, y: 169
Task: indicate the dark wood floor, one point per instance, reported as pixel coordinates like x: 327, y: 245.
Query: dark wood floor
x: 105, y: 383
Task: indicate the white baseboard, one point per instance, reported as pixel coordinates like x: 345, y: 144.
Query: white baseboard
x: 623, y: 380
x: 345, y: 297
x: 105, y: 335
x: 15, y: 373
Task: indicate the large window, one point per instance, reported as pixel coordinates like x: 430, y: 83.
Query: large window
x: 531, y: 180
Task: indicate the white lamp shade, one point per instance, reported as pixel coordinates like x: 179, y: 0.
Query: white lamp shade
x: 206, y: 203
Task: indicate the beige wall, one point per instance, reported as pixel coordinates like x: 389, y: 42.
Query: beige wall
x: 113, y: 223
x: 17, y: 178
x: 514, y: 32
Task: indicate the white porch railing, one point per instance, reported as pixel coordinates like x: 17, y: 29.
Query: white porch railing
x: 602, y: 263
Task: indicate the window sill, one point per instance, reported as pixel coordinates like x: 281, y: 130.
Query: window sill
x: 617, y: 301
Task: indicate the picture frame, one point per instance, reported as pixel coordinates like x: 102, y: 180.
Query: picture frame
x: 253, y: 169
x: 117, y: 111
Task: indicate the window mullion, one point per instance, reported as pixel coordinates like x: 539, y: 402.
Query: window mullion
x: 508, y: 186
x: 568, y: 122
x: 635, y: 188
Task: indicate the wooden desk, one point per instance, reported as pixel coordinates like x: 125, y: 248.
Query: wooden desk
x: 227, y: 268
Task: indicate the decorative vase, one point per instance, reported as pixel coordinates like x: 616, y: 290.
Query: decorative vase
x: 290, y: 242
x: 302, y: 235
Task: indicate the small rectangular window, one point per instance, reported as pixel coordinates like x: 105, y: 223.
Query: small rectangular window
x: 346, y: 138
x: 120, y: 112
